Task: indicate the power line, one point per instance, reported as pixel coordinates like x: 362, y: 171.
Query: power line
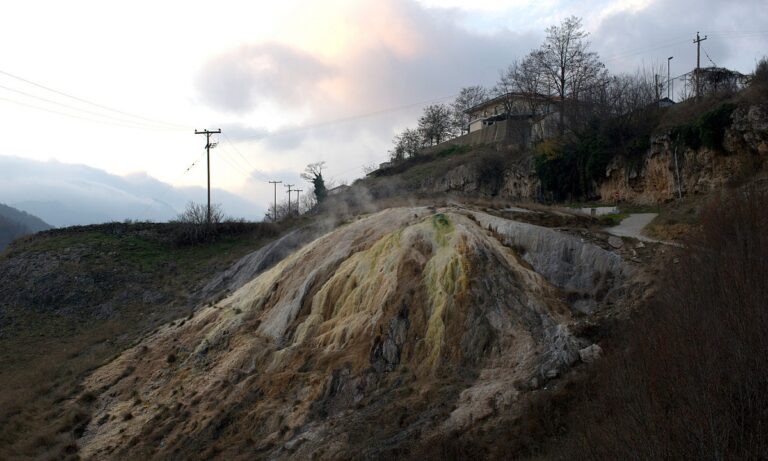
x: 76, y: 98
x: 707, y: 55
x: 44, y: 109
x: 345, y: 119
x: 170, y: 187
x: 658, y: 46
x: 131, y: 123
x: 232, y: 163
x: 226, y: 138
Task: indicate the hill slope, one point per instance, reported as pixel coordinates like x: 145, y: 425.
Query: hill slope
x: 15, y: 223
x: 70, y: 299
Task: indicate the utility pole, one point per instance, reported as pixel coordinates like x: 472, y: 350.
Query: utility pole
x: 698, y: 62
x: 274, y: 211
x: 656, y: 87
x: 289, y: 197
x: 208, y: 146
x: 298, y: 204
x: 669, y: 82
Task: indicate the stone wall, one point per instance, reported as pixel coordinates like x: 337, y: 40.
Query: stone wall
x: 502, y: 135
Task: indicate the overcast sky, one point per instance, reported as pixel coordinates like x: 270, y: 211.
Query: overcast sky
x: 293, y: 82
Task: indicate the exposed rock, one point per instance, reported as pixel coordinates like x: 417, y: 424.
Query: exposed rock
x: 255, y: 263
x: 615, y: 242
x: 590, y: 353
x: 668, y: 169
x: 401, y: 324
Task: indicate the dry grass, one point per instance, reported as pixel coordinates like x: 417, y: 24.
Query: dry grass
x: 692, y: 382
x: 45, y: 354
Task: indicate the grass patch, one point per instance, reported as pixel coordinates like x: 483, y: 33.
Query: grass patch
x: 613, y: 219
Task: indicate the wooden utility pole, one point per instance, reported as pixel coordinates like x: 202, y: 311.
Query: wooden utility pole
x: 289, y: 197
x: 208, y: 146
x: 669, y: 82
x: 698, y: 63
x: 656, y: 86
x: 274, y: 211
x: 298, y: 204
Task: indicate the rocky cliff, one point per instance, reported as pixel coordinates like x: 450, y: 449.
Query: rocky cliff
x: 458, y: 169
x: 670, y: 168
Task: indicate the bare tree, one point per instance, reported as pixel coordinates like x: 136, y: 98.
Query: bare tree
x: 523, y: 81
x: 468, y: 98
x: 435, y: 124
x: 197, y: 214
x: 406, y: 145
x: 566, y: 63
x: 620, y: 95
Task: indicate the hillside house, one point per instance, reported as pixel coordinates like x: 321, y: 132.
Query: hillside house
x: 541, y: 113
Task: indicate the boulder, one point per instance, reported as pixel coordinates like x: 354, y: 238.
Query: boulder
x: 590, y: 353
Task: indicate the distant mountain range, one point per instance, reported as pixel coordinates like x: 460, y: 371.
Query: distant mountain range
x: 16, y: 223
x: 71, y: 194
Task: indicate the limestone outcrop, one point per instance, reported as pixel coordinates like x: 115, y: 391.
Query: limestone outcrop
x: 670, y: 169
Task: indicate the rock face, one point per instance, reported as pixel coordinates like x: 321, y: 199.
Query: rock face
x: 484, y: 171
x: 390, y: 328
x: 253, y: 264
x: 518, y: 181
x: 667, y: 170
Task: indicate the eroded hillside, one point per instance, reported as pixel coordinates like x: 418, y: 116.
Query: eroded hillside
x: 401, y: 325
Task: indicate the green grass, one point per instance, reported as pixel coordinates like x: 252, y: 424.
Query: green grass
x: 610, y: 220
x: 629, y: 208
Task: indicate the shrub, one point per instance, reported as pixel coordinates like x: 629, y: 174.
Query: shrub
x: 761, y: 72
x: 708, y: 130
x: 693, y: 381
x: 197, y: 213
x: 191, y: 226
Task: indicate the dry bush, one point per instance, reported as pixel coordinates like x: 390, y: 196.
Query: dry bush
x: 192, y: 226
x: 693, y: 382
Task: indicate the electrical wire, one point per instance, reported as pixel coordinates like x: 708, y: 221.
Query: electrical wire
x: 238, y: 168
x: 170, y: 188
x: 101, y: 106
x: 345, y: 119
x: 128, y: 123
x: 658, y: 46
x: 707, y: 55
x: 44, y: 109
x: 231, y: 144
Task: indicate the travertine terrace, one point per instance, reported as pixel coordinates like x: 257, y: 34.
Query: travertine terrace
x: 403, y: 323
